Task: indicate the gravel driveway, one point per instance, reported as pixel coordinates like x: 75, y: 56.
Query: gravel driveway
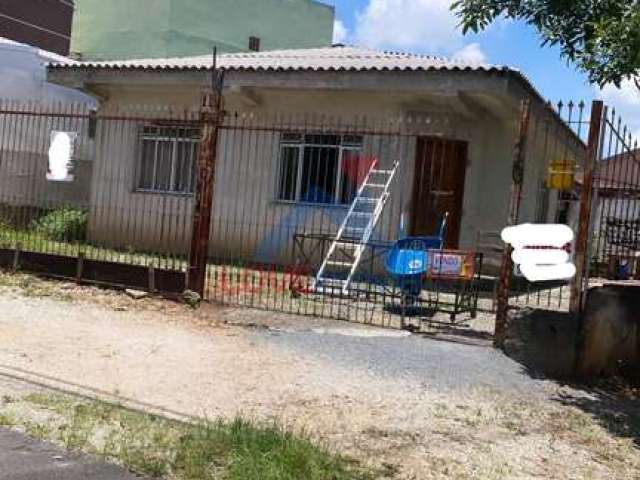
x: 425, y: 408
x: 436, y: 365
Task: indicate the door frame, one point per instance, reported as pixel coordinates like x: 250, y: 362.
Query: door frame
x: 421, y: 142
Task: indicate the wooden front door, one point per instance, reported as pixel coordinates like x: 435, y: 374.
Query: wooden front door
x: 438, y: 187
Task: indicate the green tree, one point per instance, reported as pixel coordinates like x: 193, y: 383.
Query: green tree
x: 602, y: 37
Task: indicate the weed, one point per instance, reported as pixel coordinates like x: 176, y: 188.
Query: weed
x: 191, y: 298
x: 51, y: 402
x: 7, y: 420
x: 159, y: 447
x: 37, y: 430
x: 64, y: 224
x: 76, y: 434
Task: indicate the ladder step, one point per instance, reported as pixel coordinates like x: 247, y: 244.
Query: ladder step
x: 336, y: 281
x: 339, y: 264
x: 347, y: 244
x: 330, y: 283
x: 351, y: 239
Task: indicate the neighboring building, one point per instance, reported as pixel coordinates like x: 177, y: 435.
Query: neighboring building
x: 23, y: 84
x: 45, y: 24
x: 461, y: 123
x: 617, y: 211
x: 23, y: 75
x: 617, y: 184
x: 125, y: 29
x: 619, y: 175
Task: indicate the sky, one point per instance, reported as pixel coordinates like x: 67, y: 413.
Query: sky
x: 429, y: 27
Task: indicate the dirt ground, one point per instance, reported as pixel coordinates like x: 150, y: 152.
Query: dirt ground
x: 426, y: 408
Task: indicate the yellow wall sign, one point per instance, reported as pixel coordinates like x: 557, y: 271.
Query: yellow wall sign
x: 562, y: 174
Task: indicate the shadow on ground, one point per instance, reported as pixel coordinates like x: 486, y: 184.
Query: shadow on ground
x: 545, y: 343
x: 461, y: 334
x: 615, y: 405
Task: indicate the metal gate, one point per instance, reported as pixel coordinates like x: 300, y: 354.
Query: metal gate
x: 598, y: 178
x: 243, y: 209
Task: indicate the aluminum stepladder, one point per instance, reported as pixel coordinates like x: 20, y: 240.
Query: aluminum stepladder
x: 346, y: 250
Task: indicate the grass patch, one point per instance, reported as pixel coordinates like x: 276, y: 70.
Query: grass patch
x: 155, y: 446
x: 7, y: 420
x: 39, y: 240
x: 32, y: 286
x: 68, y: 224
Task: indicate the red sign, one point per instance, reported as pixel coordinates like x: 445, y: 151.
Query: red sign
x: 451, y: 264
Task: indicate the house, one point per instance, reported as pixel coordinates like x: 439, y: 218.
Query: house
x: 617, y: 184
x: 23, y: 82
x: 125, y: 29
x: 295, y: 120
x: 616, y: 219
x: 45, y: 24
x: 23, y: 75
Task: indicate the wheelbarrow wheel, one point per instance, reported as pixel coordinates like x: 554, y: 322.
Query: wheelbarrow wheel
x: 409, y: 299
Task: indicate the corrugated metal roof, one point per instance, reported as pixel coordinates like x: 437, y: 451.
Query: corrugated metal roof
x: 337, y: 58
x: 44, y: 54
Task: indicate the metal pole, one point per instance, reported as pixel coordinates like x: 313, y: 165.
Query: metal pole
x: 514, y: 211
x: 210, y: 116
x: 586, y: 202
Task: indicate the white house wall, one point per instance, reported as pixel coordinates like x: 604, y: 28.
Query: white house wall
x: 248, y: 222
x: 120, y: 216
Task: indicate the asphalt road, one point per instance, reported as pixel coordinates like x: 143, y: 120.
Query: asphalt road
x: 438, y: 365
x: 23, y: 458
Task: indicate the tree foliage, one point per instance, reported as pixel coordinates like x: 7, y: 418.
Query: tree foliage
x: 602, y: 37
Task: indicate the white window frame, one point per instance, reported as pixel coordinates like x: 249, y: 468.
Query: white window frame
x: 176, y: 142
x: 301, y: 145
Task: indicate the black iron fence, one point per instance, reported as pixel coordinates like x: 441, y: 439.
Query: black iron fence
x: 306, y: 210
x: 591, y: 183
x: 304, y: 214
x: 615, y: 220
x: 73, y: 203
x: 550, y: 154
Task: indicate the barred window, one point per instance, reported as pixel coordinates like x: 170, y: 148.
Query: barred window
x: 168, y: 157
x: 319, y: 168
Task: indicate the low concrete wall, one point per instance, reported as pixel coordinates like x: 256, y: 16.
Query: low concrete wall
x: 610, y: 333
x: 544, y: 342
x: 604, y: 341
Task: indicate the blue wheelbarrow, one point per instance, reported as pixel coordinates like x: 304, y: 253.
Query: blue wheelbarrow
x: 408, y: 262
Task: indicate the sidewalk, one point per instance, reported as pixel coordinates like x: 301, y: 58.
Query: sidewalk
x: 416, y: 404
x: 28, y: 459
